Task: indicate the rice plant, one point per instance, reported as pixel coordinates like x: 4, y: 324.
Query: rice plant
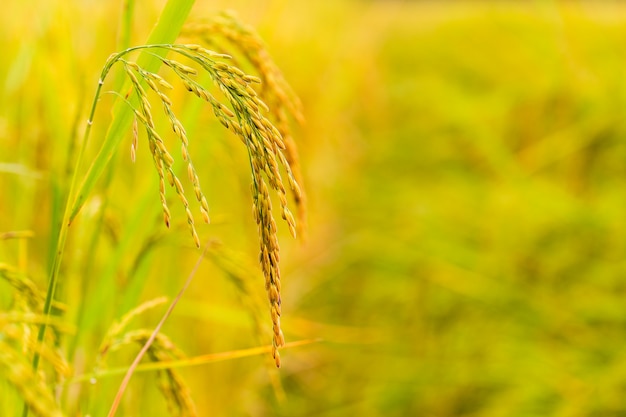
x: 253, y: 108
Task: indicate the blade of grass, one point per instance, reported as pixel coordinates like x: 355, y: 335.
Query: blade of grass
x: 126, y: 24
x: 128, y: 8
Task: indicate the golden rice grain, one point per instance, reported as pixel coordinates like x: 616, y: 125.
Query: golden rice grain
x: 276, y: 90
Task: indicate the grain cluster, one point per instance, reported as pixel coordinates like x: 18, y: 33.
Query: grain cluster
x: 244, y: 112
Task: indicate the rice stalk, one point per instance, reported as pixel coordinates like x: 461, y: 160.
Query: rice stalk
x: 283, y: 102
x: 163, y: 160
x: 275, y: 90
x: 244, y: 115
x: 264, y: 144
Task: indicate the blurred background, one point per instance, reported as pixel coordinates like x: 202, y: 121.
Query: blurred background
x: 465, y: 165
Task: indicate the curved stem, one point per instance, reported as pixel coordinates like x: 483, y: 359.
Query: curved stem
x: 56, y: 263
x: 155, y: 332
x: 65, y: 224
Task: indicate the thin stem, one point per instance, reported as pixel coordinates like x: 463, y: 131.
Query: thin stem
x: 146, y: 346
x: 56, y: 263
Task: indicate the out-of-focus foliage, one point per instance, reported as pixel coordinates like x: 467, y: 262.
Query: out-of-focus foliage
x: 466, y: 171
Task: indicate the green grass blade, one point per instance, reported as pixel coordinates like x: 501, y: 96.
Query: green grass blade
x: 126, y: 24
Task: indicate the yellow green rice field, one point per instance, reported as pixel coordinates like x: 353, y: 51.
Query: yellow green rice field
x: 454, y: 173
